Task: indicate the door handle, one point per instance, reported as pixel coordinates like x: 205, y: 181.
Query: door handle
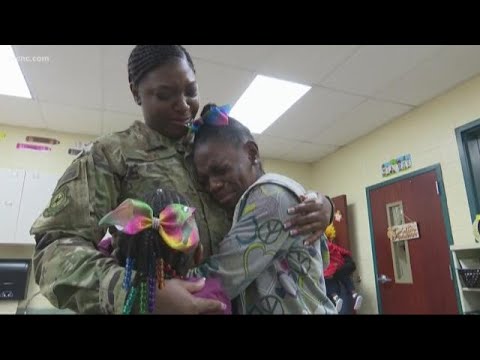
x: 383, y: 279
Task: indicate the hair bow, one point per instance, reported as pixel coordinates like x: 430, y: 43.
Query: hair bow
x: 175, y: 223
x: 216, y: 116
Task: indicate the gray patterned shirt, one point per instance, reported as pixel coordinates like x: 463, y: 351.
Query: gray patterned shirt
x: 264, y: 269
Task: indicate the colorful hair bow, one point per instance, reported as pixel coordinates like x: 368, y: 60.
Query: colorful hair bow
x: 175, y: 223
x: 216, y: 116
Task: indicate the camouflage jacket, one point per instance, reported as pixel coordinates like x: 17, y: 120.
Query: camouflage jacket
x: 264, y: 269
x: 69, y: 269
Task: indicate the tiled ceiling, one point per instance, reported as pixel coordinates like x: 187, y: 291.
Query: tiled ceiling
x: 355, y: 89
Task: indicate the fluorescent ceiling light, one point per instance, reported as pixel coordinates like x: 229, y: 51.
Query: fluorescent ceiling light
x: 12, y: 81
x: 265, y: 100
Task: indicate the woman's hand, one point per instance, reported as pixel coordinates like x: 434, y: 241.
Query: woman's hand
x: 314, y: 214
x: 176, y: 298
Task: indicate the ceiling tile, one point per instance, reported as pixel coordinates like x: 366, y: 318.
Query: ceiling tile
x: 84, y: 89
x: 72, y: 76
x: 116, y: 89
x: 242, y: 56
x: 360, y: 121
x: 307, y: 64
x: 448, y: 68
x: 312, y: 113
x: 72, y: 119
x: 221, y: 84
x: 373, y: 67
x: 271, y: 146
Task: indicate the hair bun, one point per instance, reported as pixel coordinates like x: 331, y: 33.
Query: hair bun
x: 207, y: 108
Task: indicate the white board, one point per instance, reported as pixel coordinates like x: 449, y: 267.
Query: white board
x: 11, y: 184
x: 36, y: 194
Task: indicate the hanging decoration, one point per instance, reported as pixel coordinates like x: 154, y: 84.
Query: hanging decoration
x: 397, y: 165
x: 34, y: 147
x: 476, y: 230
x: 408, y: 231
x: 43, y: 140
x: 402, y: 232
x: 338, y: 216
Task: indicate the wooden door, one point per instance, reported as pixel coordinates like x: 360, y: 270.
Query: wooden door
x: 414, y: 276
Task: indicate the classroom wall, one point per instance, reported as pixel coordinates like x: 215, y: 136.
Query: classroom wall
x: 57, y: 160
x: 428, y: 134
x: 300, y: 172
x: 53, y: 162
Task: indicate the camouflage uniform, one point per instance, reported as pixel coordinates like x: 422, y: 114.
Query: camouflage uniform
x: 69, y: 269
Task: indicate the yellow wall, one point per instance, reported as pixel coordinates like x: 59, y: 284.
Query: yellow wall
x: 298, y: 171
x: 54, y: 161
x: 428, y: 134
x: 57, y: 160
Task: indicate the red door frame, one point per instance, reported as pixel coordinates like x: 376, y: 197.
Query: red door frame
x: 446, y: 218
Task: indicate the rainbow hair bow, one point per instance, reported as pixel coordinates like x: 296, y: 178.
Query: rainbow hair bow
x: 216, y: 116
x: 175, y: 223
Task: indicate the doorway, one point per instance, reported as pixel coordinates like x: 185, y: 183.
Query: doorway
x: 414, y: 276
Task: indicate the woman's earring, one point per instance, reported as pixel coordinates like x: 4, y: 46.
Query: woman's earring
x: 255, y: 161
